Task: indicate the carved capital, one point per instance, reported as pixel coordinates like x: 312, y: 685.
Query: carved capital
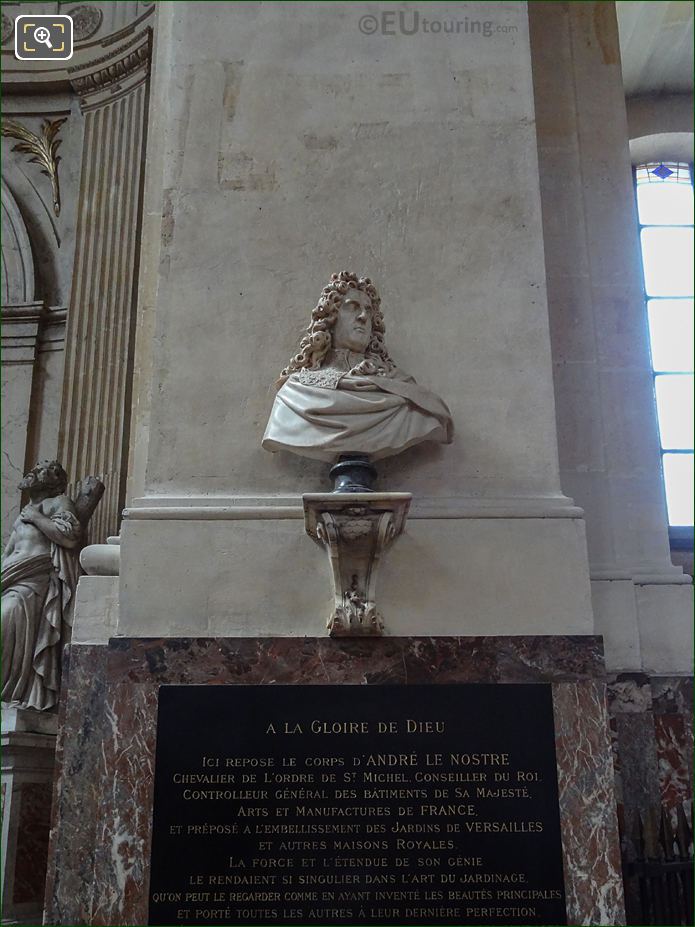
x: 355, y: 529
x: 114, y: 74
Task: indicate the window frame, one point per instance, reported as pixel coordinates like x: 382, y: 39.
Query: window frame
x: 681, y: 537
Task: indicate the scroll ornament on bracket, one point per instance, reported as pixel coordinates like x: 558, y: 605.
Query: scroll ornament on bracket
x: 42, y: 148
x: 355, y: 529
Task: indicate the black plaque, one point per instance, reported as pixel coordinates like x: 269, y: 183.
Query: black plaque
x: 356, y: 805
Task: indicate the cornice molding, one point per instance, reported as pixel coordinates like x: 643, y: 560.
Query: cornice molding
x: 20, y: 77
x: 112, y: 75
x: 22, y: 312
x: 241, y: 508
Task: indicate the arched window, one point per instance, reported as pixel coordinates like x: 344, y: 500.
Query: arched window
x: 665, y: 208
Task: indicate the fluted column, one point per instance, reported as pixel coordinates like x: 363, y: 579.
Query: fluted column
x: 113, y: 92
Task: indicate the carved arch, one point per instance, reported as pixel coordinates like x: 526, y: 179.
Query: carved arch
x: 18, y: 277
x: 662, y: 146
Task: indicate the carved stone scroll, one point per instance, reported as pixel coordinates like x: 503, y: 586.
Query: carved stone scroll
x: 355, y: 529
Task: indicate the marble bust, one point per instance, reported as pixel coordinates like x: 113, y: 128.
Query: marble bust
x: 342, y: 394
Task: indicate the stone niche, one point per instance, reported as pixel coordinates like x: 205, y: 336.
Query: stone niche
x: 106, y: 751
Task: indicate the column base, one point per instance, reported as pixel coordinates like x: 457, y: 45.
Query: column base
x: 28, y: 759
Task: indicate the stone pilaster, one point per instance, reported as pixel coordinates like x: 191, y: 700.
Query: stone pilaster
x: 113, y: 92
x: 604, y: 391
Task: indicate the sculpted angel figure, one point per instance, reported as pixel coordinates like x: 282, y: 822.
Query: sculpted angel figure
x: 40, y: 570
x: 342, y: 394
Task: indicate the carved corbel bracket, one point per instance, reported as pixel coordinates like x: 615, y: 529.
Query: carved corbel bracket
x: 355, y: 529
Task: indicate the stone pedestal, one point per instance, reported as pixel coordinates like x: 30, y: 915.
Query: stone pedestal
x: 28, y: 759
x: 101, y: 841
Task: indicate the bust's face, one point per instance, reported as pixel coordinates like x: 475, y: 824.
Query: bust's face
x: 353, y: 327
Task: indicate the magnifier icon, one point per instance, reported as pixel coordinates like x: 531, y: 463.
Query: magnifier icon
x: 41, y: 34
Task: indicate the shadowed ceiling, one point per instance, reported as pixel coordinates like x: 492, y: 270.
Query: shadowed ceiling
x: 656, y: 46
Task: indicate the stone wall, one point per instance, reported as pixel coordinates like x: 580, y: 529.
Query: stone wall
x: 285, y: 145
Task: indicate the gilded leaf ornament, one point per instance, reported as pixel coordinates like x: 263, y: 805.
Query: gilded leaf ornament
x: 42, y: 148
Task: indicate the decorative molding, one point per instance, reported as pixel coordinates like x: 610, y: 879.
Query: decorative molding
x: 19, y: 280
x: 56, y: 315
x: 22, y: 312
x: 86, y: 21
x: 21, y: 331
x: 355, y: 529
x: 101, y: 560
x: 119, y: 71
x: 640, y: 574
x: 213, y: 513
x: 52, y: 331
x: 677, y: 578
x: 236, y: 508
x: 36, y: 311
x: 43, y: 149
x: 21, y: 77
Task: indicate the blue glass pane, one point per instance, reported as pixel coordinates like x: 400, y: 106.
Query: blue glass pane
x: 662, y: 171
x: 667, y: 254
x: 665, y: 204
x: 676, y: 172
x: 671, y: 333
x: 674, y: 406
x: 679, y: 477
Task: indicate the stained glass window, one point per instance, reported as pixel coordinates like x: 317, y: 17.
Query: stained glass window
x: 665, y: 209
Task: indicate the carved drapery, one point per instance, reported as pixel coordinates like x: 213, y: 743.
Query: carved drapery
x: 113, y: 92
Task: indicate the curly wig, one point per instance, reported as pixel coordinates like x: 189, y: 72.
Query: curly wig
x: 317, y: 341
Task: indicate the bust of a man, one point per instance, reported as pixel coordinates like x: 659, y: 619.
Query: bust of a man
x: 342, y: 394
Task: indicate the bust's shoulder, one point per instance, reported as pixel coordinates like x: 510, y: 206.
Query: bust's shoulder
x: 397, y: 374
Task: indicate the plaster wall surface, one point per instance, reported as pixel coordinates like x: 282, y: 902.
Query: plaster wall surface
x: 266, y: 577
x: 296, y: 145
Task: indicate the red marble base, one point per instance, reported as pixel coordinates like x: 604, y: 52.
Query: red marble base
x: 100, y: 841
x: 651, y: 721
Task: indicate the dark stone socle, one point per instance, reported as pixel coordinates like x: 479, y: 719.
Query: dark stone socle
x: 353, y: 473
